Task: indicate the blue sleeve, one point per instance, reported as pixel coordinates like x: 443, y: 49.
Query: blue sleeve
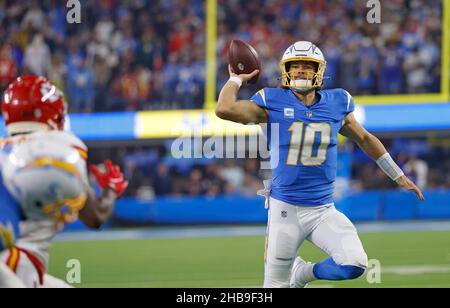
x: 260, y: 98
x: 349, y: 103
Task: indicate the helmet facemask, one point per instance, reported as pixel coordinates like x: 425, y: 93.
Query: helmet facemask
x: 302, y: 80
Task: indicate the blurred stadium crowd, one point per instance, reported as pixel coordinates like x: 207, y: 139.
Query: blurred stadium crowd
x: 124, y: 55
x: 149, y: 54
x: 152, y: 171
x: 399, y: 55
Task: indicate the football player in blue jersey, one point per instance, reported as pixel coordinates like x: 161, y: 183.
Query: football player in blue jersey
x: 300, y: 194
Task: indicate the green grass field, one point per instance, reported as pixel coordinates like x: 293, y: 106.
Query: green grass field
x: 408, y: 259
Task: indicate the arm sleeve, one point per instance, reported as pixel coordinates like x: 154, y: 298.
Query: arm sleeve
x: 260, y: 98
x: 349, y: 103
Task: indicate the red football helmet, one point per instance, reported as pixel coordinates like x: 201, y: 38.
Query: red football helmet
x: 32, y: 103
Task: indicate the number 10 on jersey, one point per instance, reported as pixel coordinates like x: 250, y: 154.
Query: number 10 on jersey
x: 306, y: 144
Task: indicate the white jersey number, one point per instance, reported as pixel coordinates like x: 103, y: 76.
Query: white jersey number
x: 306, y: 144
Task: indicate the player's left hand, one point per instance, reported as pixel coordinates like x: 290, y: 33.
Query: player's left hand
x: 404, y: 182
x: 112, y: 178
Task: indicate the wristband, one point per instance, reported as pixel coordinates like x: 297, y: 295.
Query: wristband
x: 387, y: 164
x: 236, y: 80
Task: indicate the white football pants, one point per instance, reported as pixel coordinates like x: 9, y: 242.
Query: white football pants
x: 23, y: 267
x: 8, y: 279
x: 324, y: 226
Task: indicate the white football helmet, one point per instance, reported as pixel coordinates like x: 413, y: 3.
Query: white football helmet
x: 46, y: 174
x: 302, y: 51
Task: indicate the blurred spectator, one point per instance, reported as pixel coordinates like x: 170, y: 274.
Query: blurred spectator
x: 251, y: 166
x: 348, y: 68
x: 194, y: 185
x: 162, y: 180
x: 104, y: 28
x: 126, y: 89
x: 37, y: 56
x: 214, y: 180
x: 57, y: 22
x: 144, y: 85
x: 187, y: 89
x: 80, y: 88
x: 145, y: 191
x: 371, y: 178
x: 103, y: 74
x: 35, y: 17
x: 57, y: 71
x: 148, y: 48
x: 417, y: 171
x: 135, y: 177
x: 417, y: 76
x: 74, y: 54
x: 233, y: 174
x: 8, y: 67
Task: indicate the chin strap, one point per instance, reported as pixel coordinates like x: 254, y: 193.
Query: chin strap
x: 303, y: 91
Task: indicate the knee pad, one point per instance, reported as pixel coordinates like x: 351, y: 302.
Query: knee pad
x: 282, y: 249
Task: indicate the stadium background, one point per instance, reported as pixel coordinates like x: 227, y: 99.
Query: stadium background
x: 138, y: 74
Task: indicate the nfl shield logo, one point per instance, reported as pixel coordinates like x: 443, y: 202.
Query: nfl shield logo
x: 289, y: 113
x: 309, y: 114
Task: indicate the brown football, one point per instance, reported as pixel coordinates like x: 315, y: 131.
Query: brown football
x: 243, y: 59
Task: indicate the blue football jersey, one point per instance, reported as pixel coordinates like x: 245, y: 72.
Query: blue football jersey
x: 304, y: 150
x: 10, y: 215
